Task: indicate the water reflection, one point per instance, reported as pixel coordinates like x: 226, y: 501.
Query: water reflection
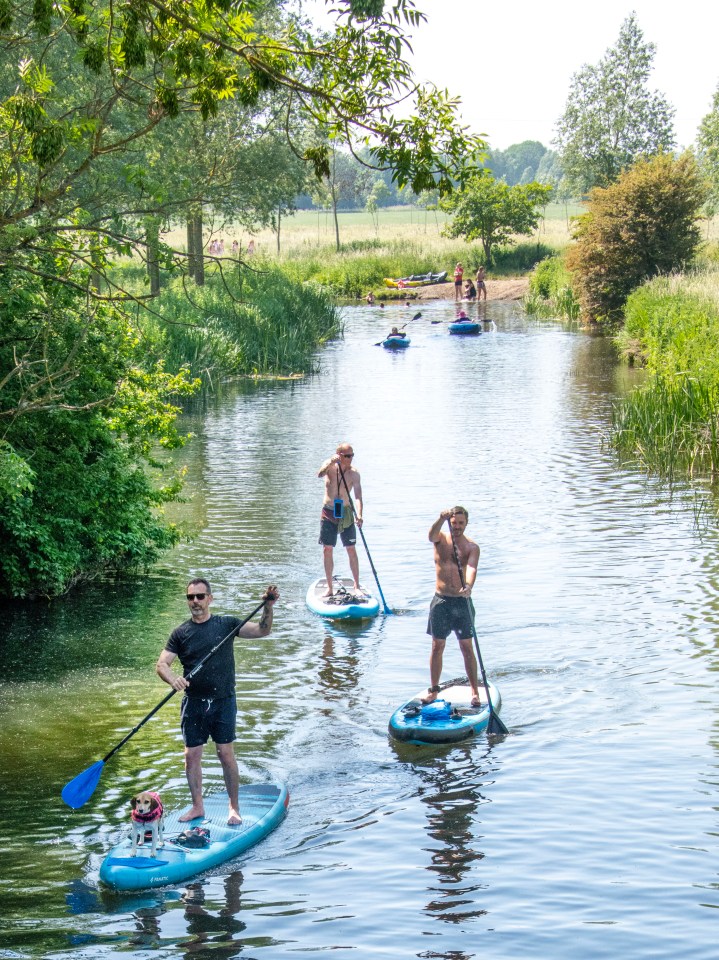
x: 451, y: 789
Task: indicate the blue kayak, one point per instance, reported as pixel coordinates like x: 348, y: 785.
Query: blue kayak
x: 345, y: 604
x: 396, y: 343
x: 448, y: 719
x: 263, y: 807
x: 464, y: 327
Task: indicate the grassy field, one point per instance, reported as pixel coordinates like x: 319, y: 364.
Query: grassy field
x: 309, y: 230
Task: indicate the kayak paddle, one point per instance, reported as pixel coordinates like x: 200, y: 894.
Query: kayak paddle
x: 495, y: 724
x: 415, y: 317
x: 78, y: 791
x: 364, y: 541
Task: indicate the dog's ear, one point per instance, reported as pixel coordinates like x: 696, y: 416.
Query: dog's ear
x: 133, y: 802
x: 154, y: 804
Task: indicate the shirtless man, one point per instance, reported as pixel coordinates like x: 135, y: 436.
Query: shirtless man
x: 451, y: 608
x: 481, y: 285
x: 337, y: 514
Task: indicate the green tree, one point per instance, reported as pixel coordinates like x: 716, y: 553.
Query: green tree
x: 642, y: 226
x: 708, y: 150
x: 88, y: 90
x: 611, y: 117
x: 491, y: 211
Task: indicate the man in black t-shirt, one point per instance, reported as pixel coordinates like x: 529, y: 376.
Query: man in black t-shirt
x: 209, y: 708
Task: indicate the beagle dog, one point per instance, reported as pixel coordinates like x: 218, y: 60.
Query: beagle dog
x: 147, y: 814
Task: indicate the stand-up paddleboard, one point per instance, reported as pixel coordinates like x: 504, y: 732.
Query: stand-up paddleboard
x: 345, y: 604
x: 262, y: 806
x: 447, y: 719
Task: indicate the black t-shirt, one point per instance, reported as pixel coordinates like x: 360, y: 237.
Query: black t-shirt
x: 192, y: 641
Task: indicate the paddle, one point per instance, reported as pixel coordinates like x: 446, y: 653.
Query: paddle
x: 495, y: 724
x: 77, y: 792
x: 415, y: 317
x: 359, y: 527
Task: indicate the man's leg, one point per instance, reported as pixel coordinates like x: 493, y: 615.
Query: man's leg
x: 193, y: 771
x: 329, y: 561
x: 226, y: 753
x: 435, y: 668
x: 470, y: 665
x: 354, y: 565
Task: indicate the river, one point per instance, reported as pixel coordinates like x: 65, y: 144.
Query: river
x: 590, y: 831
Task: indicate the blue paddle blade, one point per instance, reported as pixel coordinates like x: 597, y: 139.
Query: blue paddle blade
x: 77, y: 792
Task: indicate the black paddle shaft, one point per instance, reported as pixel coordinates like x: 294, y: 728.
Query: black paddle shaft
x: 196, y: 669
x: 494, y: 719
x: 359, y: 527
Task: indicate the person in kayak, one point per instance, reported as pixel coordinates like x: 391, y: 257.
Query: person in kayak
x: 394, y: 332
x: 451, y: 608
x: 337, y: 515
x: 209, y: 707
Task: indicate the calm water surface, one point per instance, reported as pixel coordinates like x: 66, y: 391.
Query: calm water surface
x: 590, y: 831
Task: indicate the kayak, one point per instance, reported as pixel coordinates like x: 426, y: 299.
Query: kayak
x: 396, y: 343
x: 416, y: 280
x: 263, y: 807
x: 345, y: 604
x: 464, y: 327
x: 448, y: 719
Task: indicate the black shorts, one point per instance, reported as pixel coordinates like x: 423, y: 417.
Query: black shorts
x: 328, y: 534
x: 201, y: 719
x: 450, y: 613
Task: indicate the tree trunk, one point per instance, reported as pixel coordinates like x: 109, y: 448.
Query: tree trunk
x: 190, y: 246
x: 279, y: 220
x: 337, y: 223
x: 152, y: 240
x: 196, y: 259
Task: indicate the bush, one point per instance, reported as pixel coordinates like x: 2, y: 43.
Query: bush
x: 642, y: 226
x: 550, y: 291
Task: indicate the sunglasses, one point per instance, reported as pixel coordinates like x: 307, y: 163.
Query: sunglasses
x: 196, y: 596
x: 347, y: 456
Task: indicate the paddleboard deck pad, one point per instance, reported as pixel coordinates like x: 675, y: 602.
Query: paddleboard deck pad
x: 262, y: 806
x: 345, y: 603
x: 448, y: 719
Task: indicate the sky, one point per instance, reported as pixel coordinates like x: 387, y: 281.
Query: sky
x: 512, y: 63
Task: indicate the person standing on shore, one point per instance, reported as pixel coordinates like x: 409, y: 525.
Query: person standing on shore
x: 481, y: 285
x: 458, y: 275
x: 451, y: 608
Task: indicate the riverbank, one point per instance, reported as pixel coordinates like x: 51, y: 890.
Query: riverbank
x: 503, y: 288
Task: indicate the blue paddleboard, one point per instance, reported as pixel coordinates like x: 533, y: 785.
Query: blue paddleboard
x: 349, y: 606
x: 464, y: 327
x: 448, y: 719
x: 262, y: 806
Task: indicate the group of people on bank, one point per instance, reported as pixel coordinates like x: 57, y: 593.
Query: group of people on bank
x: 209, y: 707
x: 465, y: 289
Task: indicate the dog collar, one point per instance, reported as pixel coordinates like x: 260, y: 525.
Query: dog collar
x: 152, y: 815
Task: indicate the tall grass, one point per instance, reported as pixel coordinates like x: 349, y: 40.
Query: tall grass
x: 550, y: 291
x: 258, y: 323
x: 669, y: 425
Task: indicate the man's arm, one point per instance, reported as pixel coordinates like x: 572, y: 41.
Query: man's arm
x: 263, y: 628
x: 436, y: 529
x: 471, y: 573
x: 165, y: 672
x: 327, y: 464
x: 357, y: 487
